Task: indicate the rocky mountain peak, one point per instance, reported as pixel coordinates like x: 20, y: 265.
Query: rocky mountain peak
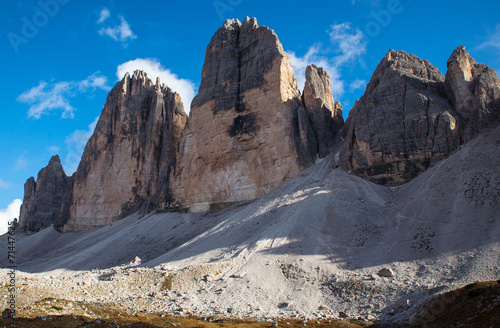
x: 47, y: 201
x: 55, y: 162
x: 402, y: 124
x: 404, y: 64
x: 474, y: 90
x: 411, y: 116
x: 259, y: 133
x: 127, y: 162
x: 325, y: 116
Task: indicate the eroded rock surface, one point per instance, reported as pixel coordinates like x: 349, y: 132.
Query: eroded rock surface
x: 128, y: 160
x: 325, y: 115
x: 411, y: 116
x: 47, y: 201
x: 402, y: 124
x: 474, y: 91
x: 248, y: 130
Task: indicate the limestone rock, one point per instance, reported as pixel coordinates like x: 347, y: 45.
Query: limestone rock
x: 28, y: 203
x: 46, y: 201
x: 403, y: 123
x: 128, y: 160
x: 474, y: 90
x: 248, y: 131
x: 325, y: 115
x: 385, y: 272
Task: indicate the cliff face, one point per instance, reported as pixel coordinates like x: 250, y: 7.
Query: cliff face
x: 127, y: 161
x: 47, y: 201
x: 325, y: 115
x: 248, y: 130
x: 402, y: 124
x: 411, y: 116
x: 474, y: 91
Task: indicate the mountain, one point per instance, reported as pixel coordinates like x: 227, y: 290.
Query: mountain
x: 48, y: 200
x: 411, y: 116
x: 250, y: 130
x: 125, y: 167
x: 128, y: 159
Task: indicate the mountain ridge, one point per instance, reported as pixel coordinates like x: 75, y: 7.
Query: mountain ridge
x: 251, y: 129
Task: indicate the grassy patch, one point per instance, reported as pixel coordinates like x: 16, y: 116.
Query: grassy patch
x: 168, y: 282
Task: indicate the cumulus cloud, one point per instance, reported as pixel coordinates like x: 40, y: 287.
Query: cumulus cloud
x: 47, y: 97
x: 493, y: 39
x: 8, y: 214
x: 93, y: 82
x: 121, y: 32
x: 347, y: 46
x: 154, y: 69
x: 103, y: 15
x: 76, y: 143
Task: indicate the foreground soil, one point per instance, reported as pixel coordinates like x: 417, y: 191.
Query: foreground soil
x: 475, y: 305
x: 156, y: 321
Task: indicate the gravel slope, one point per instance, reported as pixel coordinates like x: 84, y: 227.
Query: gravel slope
x: 311, y: 248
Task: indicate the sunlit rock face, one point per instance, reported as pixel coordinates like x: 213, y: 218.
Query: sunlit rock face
x: 411, y: 116
x: 248, y: 130
x: 403, y: 123
x: 474, y: 91
x: 128, y: 160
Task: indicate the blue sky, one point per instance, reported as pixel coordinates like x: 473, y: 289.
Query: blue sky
x: 63, y: 56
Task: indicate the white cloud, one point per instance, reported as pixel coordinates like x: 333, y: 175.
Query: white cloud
x: 8, y: 214
x: 46, y: 97
x: 103, y: 15
x: 76, y: 143
x: 357, y: 84
x: 121, y: 32
x: 493, y: 39
x: 349, y: 41
x: 54, y: 149
x: 154, y: 69
x: 347, y: 47
x: 94, y: 81
x: 4, y: 184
